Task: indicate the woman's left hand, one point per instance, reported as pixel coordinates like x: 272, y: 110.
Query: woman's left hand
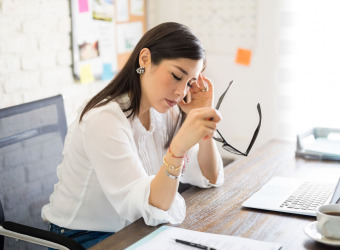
x: 200, y: 95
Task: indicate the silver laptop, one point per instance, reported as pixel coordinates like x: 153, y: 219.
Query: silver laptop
x: 297, y: 196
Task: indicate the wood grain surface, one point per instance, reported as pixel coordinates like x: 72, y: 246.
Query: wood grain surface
x: 219, y: 210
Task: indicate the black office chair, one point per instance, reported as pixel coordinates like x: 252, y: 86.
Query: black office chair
x: 31, y: 142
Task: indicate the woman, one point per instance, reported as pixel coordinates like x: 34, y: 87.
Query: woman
x: 131, y: 144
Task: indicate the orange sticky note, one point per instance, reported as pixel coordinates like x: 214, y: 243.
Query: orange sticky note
x: 243, y: 56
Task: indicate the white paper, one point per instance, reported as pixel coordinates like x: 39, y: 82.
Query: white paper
x: 94, y: 44
x: 325, y: 146
x: 128, y: 35
x: 137, y: 7
x: 164, y: 238
x: 122, y: 7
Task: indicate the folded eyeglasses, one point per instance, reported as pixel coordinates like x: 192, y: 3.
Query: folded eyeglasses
x: 218, y: 136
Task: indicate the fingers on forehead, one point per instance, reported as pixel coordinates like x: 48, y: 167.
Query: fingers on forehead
x: 207, y: 80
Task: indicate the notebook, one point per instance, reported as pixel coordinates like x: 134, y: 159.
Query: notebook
x: 292, y: 195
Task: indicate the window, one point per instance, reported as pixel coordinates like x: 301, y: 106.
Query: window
x: 309, y: 66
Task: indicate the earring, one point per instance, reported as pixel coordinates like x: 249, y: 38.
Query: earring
x: 140, y: 70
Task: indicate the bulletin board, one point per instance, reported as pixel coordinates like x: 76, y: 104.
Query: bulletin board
x: 130, y: 27
x: 104, y: 32
x: 223, y: 26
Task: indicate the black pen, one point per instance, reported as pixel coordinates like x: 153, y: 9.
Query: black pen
x: 194, y: 244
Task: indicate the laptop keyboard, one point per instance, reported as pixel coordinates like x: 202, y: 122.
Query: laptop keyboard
x: 309, y: 196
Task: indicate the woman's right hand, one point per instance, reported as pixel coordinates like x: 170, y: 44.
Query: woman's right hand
x: 199, y: 124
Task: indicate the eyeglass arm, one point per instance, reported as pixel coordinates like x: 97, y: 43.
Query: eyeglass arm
x: 256, y: 130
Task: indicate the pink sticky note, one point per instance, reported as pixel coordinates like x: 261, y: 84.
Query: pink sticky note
x: 83, y: 6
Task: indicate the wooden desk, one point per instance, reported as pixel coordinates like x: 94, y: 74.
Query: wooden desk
x: 219, y: 210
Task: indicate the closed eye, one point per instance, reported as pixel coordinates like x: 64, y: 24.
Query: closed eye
x: 176, y: 77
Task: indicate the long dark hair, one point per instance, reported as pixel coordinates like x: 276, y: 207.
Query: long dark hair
x: 165, y: 41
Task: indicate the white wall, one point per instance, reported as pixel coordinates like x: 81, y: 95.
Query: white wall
x: 35, y: 54
x: 253, y: 84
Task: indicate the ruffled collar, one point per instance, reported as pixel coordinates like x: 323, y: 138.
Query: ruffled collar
x: 140, y: 126
x: 124, y: 102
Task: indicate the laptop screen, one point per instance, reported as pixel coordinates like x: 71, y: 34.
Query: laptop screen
x: 336, y: 194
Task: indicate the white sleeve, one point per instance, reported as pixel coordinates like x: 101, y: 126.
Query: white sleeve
x: 193, y: 174
x: 111, y: 150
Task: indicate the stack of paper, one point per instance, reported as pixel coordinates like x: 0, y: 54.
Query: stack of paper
x: 319, y: 143
x: 165, y: 238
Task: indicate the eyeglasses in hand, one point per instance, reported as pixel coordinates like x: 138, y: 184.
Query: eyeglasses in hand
x: 220, y: 138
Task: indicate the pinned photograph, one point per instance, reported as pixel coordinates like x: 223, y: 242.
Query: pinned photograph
x: 88, y: 50
x: 103, y: 10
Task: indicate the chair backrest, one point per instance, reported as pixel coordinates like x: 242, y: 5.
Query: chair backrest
x: 2, y: 219
x: 31, y: 143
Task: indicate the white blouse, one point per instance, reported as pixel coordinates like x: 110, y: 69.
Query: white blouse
x: 109, y: 162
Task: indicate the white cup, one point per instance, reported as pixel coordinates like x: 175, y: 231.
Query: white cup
x: 328, y: 224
